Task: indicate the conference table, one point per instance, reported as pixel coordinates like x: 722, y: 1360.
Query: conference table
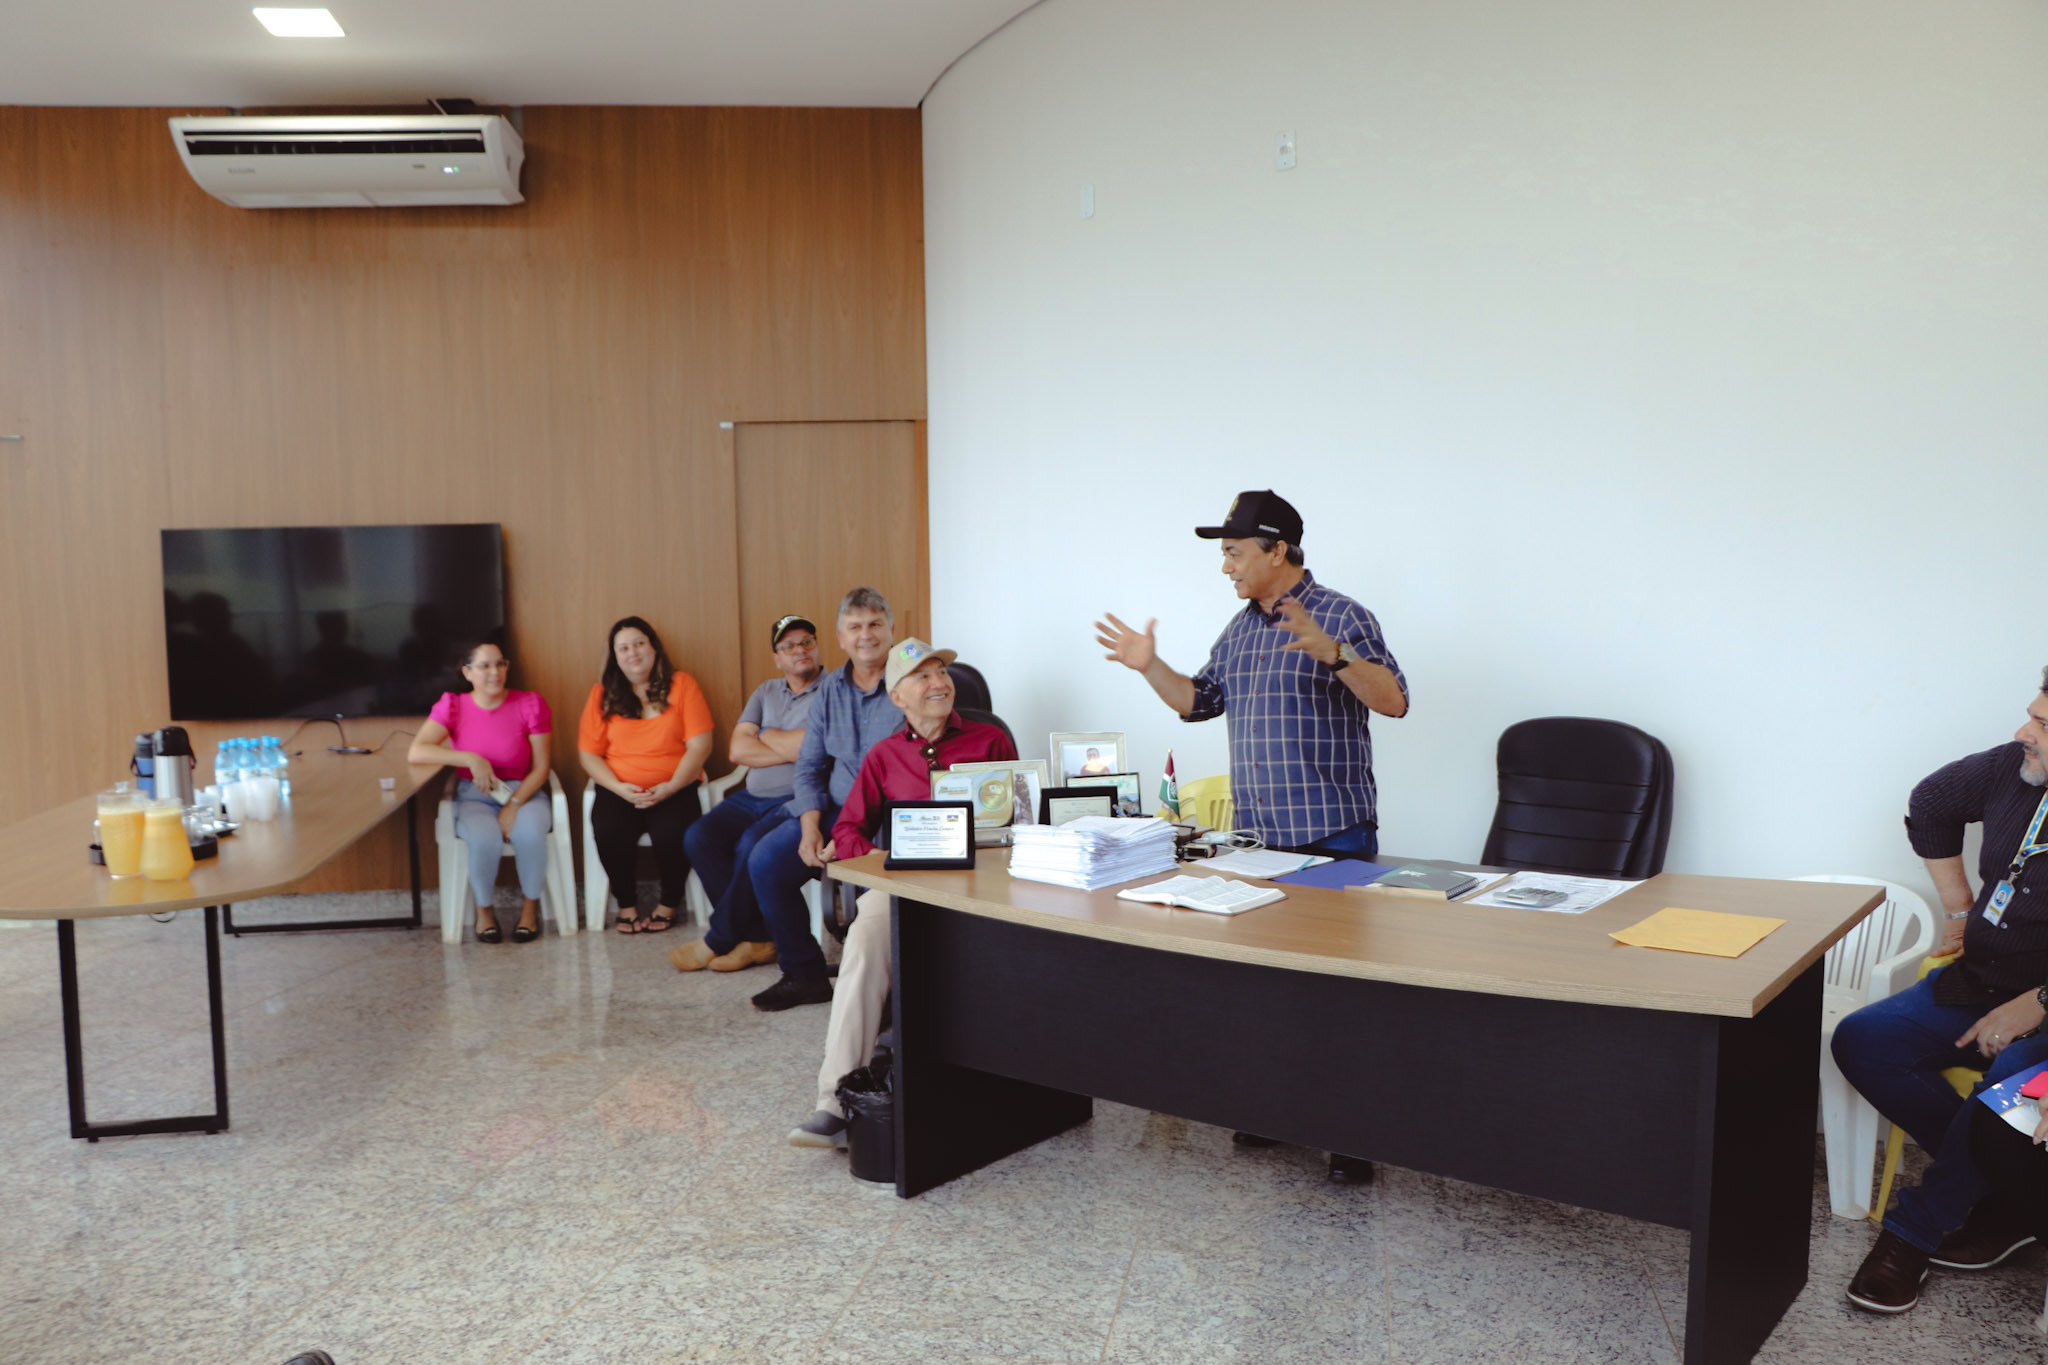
x: 336, y: 799
x: 1518, y: 1049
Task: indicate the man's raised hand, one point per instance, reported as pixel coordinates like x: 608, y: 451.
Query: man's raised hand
x: 1133, y: 649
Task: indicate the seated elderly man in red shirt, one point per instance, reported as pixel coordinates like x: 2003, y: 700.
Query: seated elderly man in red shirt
x: 898, y: 768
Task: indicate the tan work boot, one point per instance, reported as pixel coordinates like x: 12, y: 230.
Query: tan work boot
x: 745, y: 955
x: 691, y: 957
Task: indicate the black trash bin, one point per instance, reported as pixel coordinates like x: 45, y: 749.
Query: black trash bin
x: 870, y: 1123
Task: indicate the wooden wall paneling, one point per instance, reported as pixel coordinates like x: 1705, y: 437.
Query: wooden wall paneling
x: 824, y: 507
x: 559, y: 368
x: 827, y: 236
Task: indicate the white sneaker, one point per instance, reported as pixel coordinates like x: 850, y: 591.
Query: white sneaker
x: 822, y: 1129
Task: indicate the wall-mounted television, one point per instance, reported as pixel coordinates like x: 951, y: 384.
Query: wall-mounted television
x: 326, y: 620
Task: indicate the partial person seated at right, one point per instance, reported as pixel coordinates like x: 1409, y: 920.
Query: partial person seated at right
x: 1984, y: 1011
x: 645, y: 734
x: 768, y: 739
x: 898, y: 768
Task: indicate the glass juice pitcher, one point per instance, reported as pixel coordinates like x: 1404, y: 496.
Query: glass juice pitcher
x: 121, y: 813
x: 166, y: 853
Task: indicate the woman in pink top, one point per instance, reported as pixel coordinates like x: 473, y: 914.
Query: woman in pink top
x: 496, y: 735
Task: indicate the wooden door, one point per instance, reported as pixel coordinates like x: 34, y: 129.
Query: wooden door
x: 825, y: 507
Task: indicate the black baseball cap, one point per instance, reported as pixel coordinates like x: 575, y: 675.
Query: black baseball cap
x: 786, y: 625
x: 1257, y: 512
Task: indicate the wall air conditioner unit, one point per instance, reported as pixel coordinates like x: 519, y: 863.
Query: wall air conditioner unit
x: 353, y: 161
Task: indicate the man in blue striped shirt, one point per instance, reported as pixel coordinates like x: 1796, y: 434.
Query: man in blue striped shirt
x: 1297, y: 674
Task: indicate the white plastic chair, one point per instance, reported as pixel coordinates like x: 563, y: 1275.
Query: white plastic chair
x: 597, y: 888
x: 558, y: 893
x: 1873, y: 961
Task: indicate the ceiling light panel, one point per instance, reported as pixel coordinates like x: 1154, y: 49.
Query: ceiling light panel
x: 299, y: 23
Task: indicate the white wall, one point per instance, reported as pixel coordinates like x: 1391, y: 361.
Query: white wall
x: 1674, y: 363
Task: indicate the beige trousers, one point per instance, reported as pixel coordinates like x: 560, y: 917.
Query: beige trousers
x: 857, y: 999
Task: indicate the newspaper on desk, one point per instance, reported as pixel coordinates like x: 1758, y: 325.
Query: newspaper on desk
x: 1580, y: 893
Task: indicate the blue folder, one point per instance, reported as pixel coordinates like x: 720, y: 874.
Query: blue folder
x: 1337, y: 874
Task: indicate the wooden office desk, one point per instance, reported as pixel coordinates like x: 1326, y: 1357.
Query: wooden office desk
x: 336, y: 799
x: 1512, y: 1048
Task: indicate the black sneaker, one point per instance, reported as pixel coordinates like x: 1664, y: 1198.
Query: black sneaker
x: 792, y: 991
x: 1889, y: 1279
x: 1350, y: 1170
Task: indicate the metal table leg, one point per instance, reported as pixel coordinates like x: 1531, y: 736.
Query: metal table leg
x: 74, y: 1051
x: 412, y: 849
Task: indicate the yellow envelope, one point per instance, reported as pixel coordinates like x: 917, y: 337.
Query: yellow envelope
x: 1699, y: 931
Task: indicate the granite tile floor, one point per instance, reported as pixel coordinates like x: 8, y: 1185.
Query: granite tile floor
x: 565, y: 1152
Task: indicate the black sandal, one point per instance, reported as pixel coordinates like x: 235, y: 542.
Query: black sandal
x: 656, y: 923
x: 630, y: 924
x: 491, y: 935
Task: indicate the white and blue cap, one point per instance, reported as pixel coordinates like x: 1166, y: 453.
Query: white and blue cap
x: 906, y: 656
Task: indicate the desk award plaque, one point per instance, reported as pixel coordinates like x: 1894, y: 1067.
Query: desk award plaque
x: 929, y: 834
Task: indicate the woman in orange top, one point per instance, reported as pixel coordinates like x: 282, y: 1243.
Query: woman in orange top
x: 645, y: 734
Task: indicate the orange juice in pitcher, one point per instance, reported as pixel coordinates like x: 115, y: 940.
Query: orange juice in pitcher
x: 166, y: 852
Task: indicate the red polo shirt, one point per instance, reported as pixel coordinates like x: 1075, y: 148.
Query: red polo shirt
x: 895, y: 770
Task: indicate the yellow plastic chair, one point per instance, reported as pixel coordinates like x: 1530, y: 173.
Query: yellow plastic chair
x: 1206, y: 801
x: 1960, y: 1078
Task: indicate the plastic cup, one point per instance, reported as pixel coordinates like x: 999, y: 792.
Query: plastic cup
x: 121, y: 830
x: 261, y: 797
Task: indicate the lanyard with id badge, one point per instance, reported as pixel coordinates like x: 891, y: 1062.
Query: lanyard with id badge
x: 1994, y: 909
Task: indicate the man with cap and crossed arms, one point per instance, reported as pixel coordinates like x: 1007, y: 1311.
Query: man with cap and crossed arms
x: 1298, y: 674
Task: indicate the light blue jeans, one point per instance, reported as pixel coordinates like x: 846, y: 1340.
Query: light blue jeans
x: 476, y: 824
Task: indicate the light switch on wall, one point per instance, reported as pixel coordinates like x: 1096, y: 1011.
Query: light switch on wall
x: 1284, y: 161
x: 1087, y: 201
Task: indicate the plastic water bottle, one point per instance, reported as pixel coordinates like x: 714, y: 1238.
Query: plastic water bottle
x: 259, y: 783
x: 279, y: 762
x: 224, y: 763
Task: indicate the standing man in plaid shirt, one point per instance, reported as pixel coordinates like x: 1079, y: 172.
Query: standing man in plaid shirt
x: 1298, y: 674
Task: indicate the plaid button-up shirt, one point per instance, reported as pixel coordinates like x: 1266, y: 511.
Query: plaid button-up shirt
x: 1300, y: 749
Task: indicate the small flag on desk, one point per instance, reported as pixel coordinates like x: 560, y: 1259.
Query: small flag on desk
x: 1169, y: 792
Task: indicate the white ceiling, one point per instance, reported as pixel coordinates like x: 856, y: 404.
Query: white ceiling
x: 761, y: 52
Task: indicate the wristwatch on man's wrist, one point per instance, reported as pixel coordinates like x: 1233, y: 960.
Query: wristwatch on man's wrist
x: 1346, y: 656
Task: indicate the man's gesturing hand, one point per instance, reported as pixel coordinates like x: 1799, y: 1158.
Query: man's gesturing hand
x: 1131, y: 648
x: 1309, y: 637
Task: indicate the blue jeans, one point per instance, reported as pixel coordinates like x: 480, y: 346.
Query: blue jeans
x: 476, y: 824
x: 1894, y: 1052
x: 718, y: 845
x: 779, y: 876
x: 1362, y: 840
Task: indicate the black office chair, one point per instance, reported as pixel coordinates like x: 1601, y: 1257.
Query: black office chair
x: 1584, y: 797
x: 970, y: 689
x: 969, y: 713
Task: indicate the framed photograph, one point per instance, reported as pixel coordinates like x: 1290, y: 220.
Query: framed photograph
x: 1028, y: 778
x: 1126, y: 784
x: 1087, y: 756
x: 929, y: 834
x: 987, y: 790
x: 1061, y: 804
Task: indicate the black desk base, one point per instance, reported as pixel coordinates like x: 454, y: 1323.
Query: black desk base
x: 412, y: 851
x: 74, y: 1049
x: 1693, y: 1121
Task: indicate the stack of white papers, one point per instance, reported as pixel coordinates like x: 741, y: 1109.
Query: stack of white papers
x: 1096, y: 850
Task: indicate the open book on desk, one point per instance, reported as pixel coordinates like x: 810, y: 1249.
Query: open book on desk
x: 1217, y: 895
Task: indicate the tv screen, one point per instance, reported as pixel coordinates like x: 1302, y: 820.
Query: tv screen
x: 326, y: 620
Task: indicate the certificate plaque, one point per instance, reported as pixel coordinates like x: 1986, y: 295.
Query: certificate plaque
x: 929, y: 834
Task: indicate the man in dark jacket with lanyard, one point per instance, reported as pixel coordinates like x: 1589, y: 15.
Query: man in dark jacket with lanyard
x: 1981, y: 1012
x: 1297, y: 674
